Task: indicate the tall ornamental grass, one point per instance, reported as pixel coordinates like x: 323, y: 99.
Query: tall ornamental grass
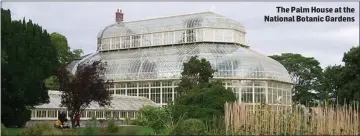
x: 292, y: 120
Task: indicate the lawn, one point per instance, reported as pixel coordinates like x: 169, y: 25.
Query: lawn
x: 123, y: 130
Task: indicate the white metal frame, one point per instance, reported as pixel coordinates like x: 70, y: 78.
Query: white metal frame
x: 236, y: 36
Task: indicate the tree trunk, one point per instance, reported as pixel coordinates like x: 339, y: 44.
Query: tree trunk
x: 72, y: 121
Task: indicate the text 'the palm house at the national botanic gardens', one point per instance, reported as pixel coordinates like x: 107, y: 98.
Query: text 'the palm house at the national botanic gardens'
x: 145, y: 58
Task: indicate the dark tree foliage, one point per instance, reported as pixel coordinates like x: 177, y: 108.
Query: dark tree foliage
x: 306, y: 73
x: 351, y: 76
x: 201, y: 98
x: 342, y: 83
x: 153, y: 117
x: 83, y: 88
x: 29, y: 59
x: 331, y: 84
x: 195, y: 72
x: 204, y: 102
x: 65, y: 56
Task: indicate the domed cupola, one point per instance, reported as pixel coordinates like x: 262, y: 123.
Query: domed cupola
x: 115, y: 35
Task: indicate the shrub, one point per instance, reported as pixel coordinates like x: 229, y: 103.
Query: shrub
x: 191, y: 127
x: 130, y: 130
x: 90, y: 127
x: 128, y: 121
x: 40, y: 129
x: 111, y: 127
x: 153, y: 117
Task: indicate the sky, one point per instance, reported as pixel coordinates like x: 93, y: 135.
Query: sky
x: 80, y: 22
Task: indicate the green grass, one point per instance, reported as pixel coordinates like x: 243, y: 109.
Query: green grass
x: 13, y: 131
x: 123, y: 130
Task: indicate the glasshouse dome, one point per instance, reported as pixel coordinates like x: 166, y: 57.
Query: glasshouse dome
x: 144, y: 58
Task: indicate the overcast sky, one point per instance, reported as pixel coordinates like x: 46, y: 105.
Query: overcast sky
x: 80, y: 22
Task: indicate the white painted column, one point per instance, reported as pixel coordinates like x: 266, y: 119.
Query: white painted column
x: 126, y: 89
x: 222, y: 34
x: 240, y: 92
x: 35, y: 113
x: 185, y: 36
x: 196, y: 35
x: 173, y: 90
x: 266, y: 92
x: 174, y: 40
x: 203, y: 33
x: 131, y: 41
x: 253, y: 94
x: 253, y: 91
x: 141, y: 40
x: 152, y: 39
x: 232, y: 35
x: 104, y: 114
x: 148, y: 87
x: 137, y: 89
x: 163, y: 37
x: 213, y: 35
x: 111, y: 43
x: 115, y: 89
x: 95, y: 114
x: 161, y: 96
x: 121, y: 43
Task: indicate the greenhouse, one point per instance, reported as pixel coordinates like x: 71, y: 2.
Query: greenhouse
x: 122, y: 107
x: 145, y: 59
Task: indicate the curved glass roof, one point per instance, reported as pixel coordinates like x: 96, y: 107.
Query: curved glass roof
x: 197, y: 20
x: 131, y: 103
x: 166, y: 62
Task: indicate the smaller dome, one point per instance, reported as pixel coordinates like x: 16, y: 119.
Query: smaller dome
x: 115, y: 30
x: 171, y: 23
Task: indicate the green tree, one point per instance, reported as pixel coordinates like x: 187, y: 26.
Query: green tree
x: 306, y: 73
x: 342, y: 82
x: 30, y: 58
x: 65, y: 56
x: 204, y: 102
x: 76, y: 53
x: 350, y: 91
x: 331, y: 83
x: 195, y: 72
x: 201, y: 98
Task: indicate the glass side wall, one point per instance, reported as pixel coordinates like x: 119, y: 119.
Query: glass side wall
x: 87, y: 114
x: 247, y: 91
x: 163, y: 63
x: 171, y: 37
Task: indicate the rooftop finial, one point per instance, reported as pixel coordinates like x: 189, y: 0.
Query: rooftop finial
x: 119, y: 16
